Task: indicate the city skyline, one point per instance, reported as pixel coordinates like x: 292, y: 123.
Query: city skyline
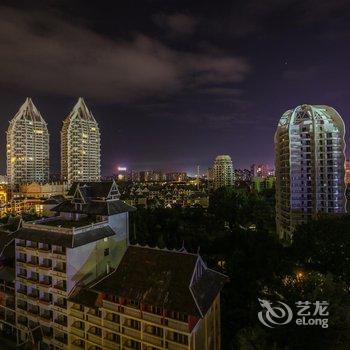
x: 218, y: 79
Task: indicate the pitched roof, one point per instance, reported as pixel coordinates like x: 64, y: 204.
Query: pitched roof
x: 95, y: 189
x: 105, y: 208
x: 64, y: 239
x: 162, y: 278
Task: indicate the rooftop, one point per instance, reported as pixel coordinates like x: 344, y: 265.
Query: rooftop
x: 61, y: 222
x: 160, y: 278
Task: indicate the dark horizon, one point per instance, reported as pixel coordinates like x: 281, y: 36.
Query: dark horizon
x: 174, y: 84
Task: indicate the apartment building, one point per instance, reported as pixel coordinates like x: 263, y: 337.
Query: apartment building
x: 310, y: 166
x: 53, y: 255
x: 80, y: 146
x: 27, y: 146
x: 155, y: 299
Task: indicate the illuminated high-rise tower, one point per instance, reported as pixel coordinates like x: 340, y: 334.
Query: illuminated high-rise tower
x: 80, y: 146
x: 223, y: 171
x: 27, y: 146
x: 310, y: 166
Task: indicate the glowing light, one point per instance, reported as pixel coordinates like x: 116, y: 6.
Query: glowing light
x: 121, y: 168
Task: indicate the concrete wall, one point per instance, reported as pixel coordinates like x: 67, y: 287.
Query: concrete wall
x: 81, y: 261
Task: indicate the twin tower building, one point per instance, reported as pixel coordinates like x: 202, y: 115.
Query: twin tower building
x: 28, y: 146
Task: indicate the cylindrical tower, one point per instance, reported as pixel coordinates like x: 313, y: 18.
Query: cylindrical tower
x: 310, y: 166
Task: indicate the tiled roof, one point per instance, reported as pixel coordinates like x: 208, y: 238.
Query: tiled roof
x: 105, y: 208
x: 96, y: 189
x: 162, y: 278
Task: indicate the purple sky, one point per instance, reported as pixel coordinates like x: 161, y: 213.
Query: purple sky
x: 174, y: 83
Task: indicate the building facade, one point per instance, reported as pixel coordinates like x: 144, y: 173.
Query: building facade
x: 80, y: 146
x: 223, y: 171
x: 54, y: 255
x: 310, y: 166
x: 27, y: 146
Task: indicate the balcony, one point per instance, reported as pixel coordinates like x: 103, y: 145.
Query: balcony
x: 177, y: 325
x: 132, y: 312
x: 33, y: 263
x: 45, y: 284
x: 59, y: 272
x: 77, y: 331
x: 45, y: 267
x: 152, y: 339
x: 131, y: 332
x: 147, y: 316
x: 110, y: 305
x: 33, y: 296
x: 60, y: 307
x: 76, y: 346
x: 45, y: 301
x: 59, y: 289
x: 93, y: 319
x: 58, y: 255
x: 76, y: 313
x: 10, y: 319
x: 61, y: 339
x: 22, y: 306
x: 114, y: 326
x: 34, y: 312
x: 22, y: 321
x: 61, y: 323
x: 110, y: 344
x: 33, y: 280
x: 47, y: 318
x: 94, y: 338
x: 176, y: 346
x: 10, y: 303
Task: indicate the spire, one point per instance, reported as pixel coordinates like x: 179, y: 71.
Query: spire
x: 80, y: 109
x: 28, y: 111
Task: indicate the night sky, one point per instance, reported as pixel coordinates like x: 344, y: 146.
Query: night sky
x: 174, y: 83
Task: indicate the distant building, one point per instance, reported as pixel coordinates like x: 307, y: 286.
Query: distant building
x: 27, y: 146
x: 80, y: 146
x: 176, y: 176
x: 223, y: 171
x: 260, y: 170
x: 43, y: 190
x: 242, y: 175
x: 309, y: 151
x: 123, y: 174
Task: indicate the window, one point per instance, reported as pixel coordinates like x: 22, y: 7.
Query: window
x: 106, y: 252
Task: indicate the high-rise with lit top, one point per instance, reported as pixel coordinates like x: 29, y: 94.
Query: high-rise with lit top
x: 80, y: 145
x: 27, y: 146
x: 310, y: 166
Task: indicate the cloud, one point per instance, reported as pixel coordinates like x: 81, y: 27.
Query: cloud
x: 41, y: 52
x: 177, y: 24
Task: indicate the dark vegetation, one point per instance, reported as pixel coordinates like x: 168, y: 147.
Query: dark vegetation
x: 236, y: 235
